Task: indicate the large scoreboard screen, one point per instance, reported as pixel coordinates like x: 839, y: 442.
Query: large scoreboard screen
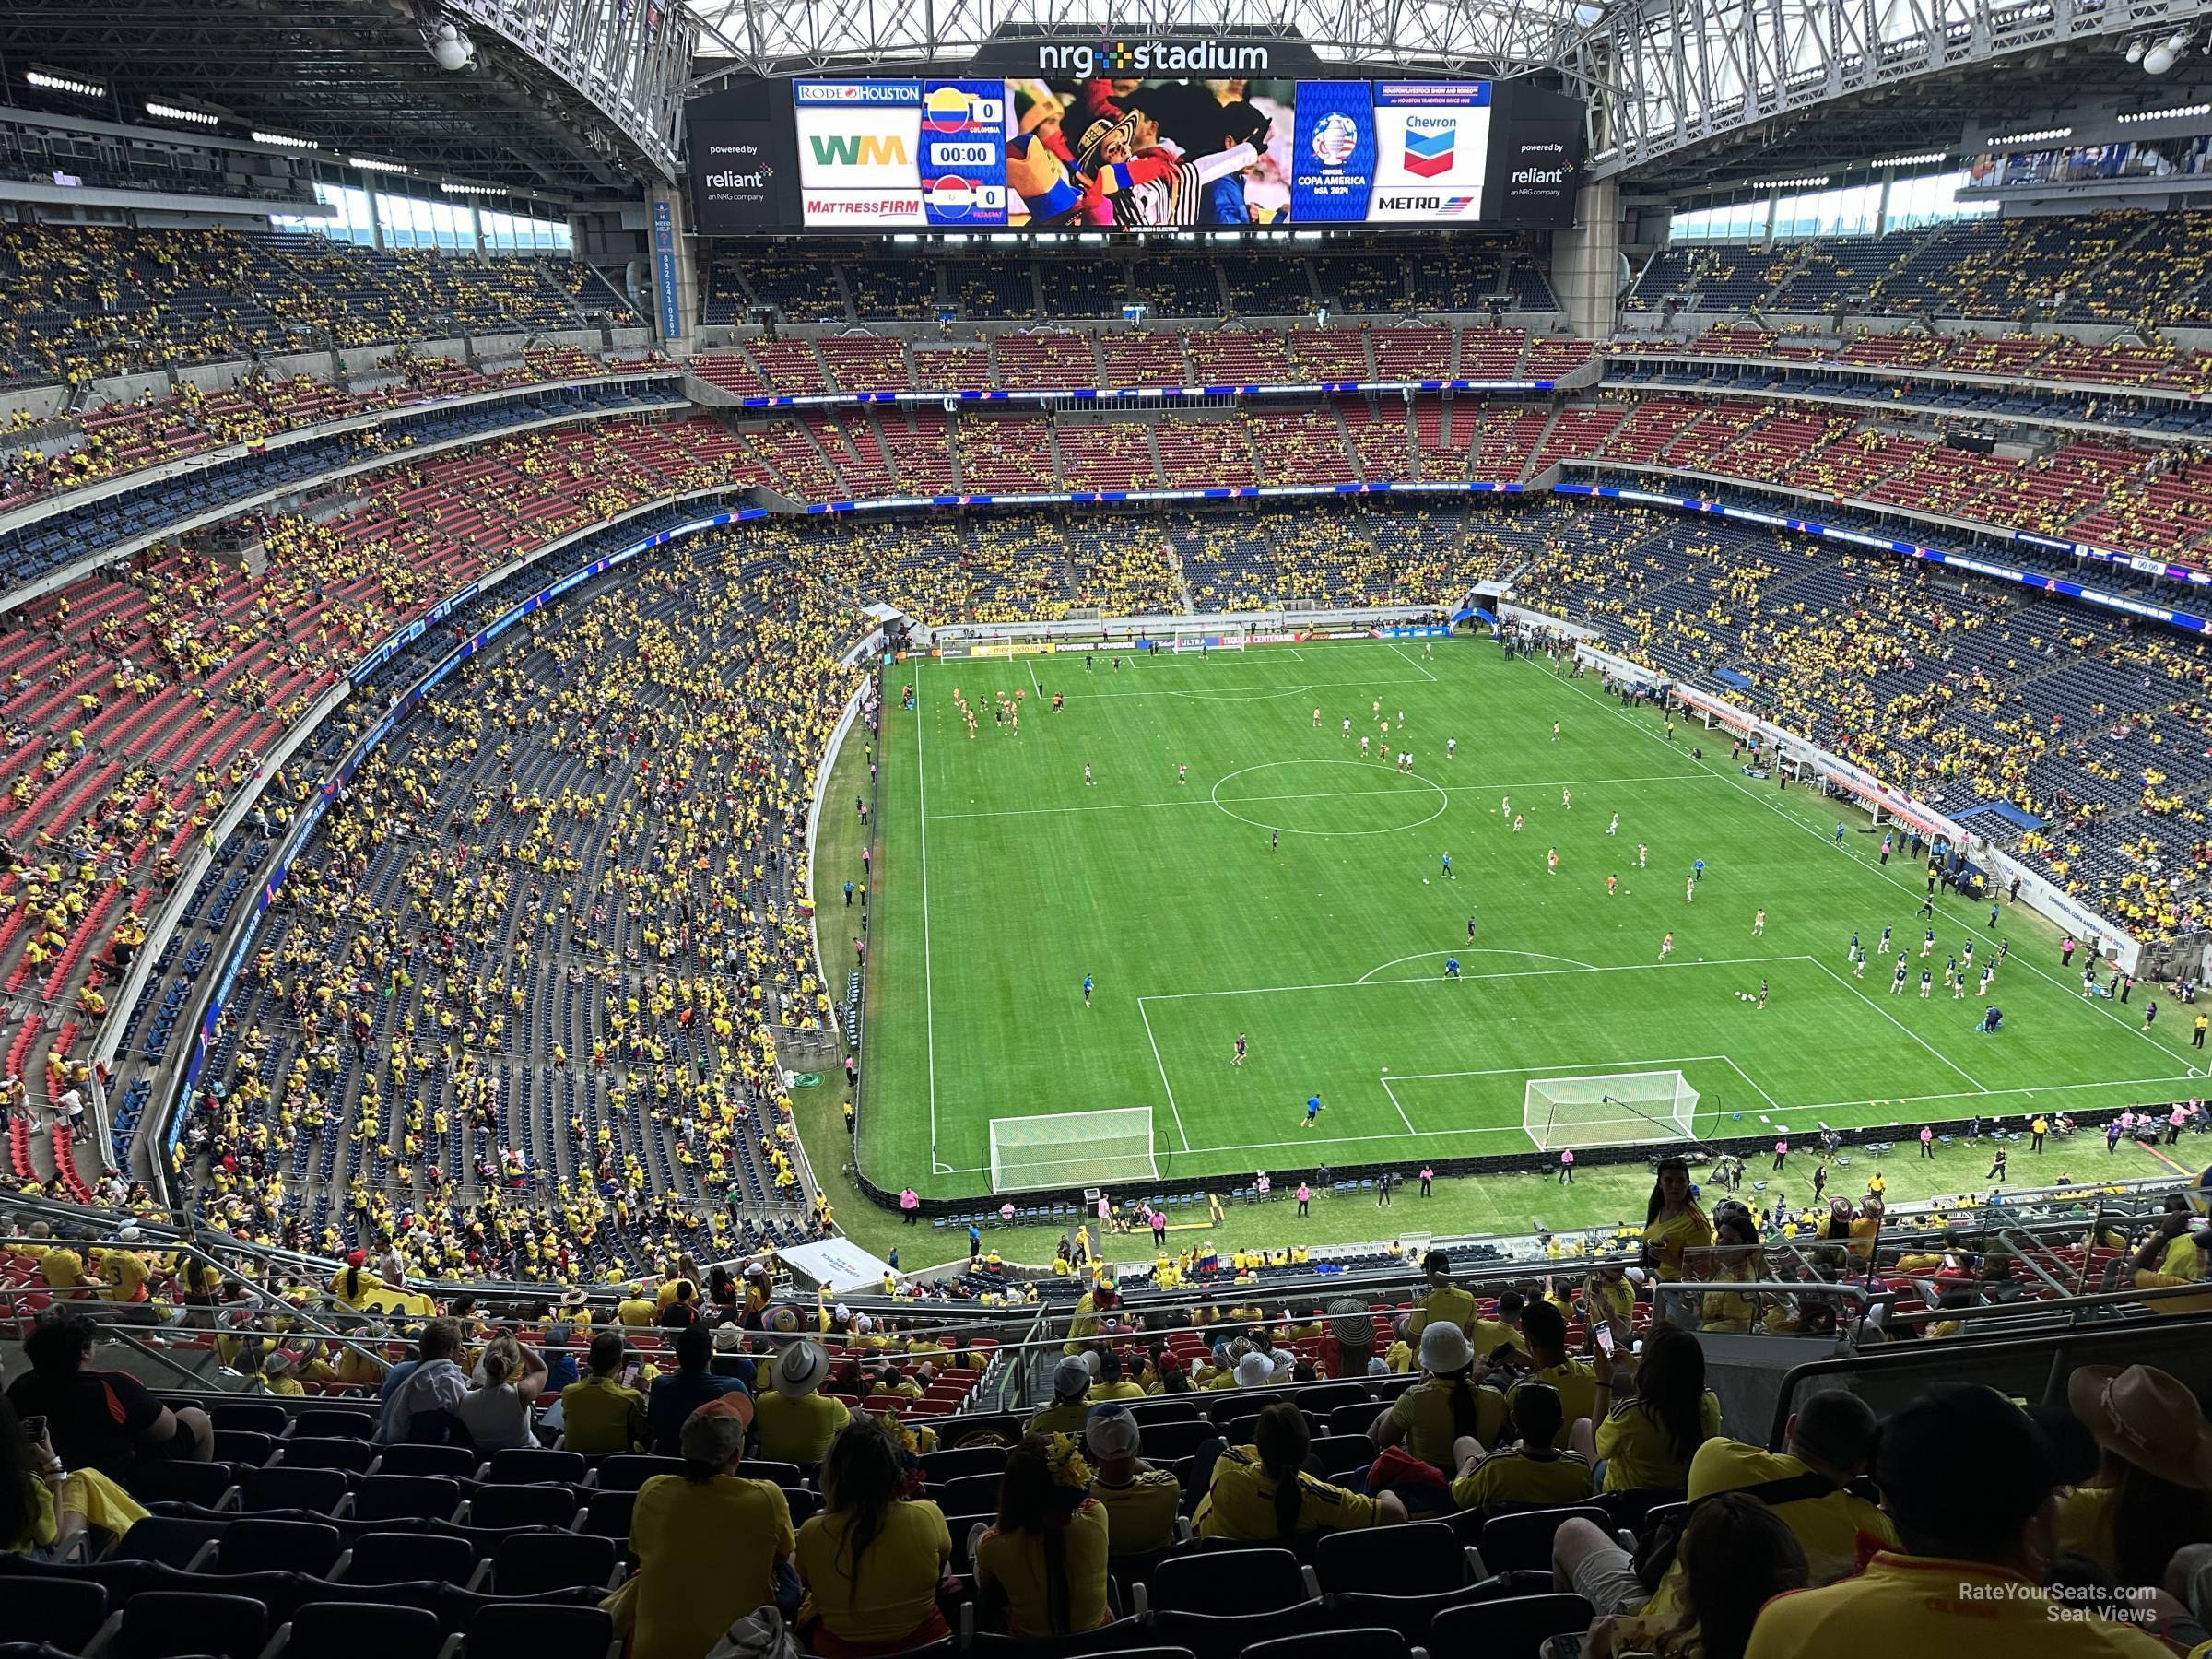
x: 1130, y: 153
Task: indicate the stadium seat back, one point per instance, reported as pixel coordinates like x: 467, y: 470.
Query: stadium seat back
x: 284, y: 1487
x: 334, y: 1422
x: 1523, y: 1542
x: 507, y: 1506
x: 1373, y: 1641
x: 1164, y: 1442
x: 1225, y: 1582
x: 173, y: 1482
x: 941, y: 1468
x: 258, y: 1545
x: 65, y: 1612
x: 172, y: 1540
x: 316, y: 1451
x: 627, y: 1471
x: 1119, y: 1637
x: 1516, y: 1624
x: 458, y: 1463
x: 532, y: 1563
x: 162, y: 1624
x: 527, y: 1466
x: 1417, y: 1560
x: 395, y: 1558
x: 341, y: 1630
x: 539, y: 1628
x: 1226, y: 1635
x: 405, y: 1496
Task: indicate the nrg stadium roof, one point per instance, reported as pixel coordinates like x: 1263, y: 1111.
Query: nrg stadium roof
x: 1682, y: 94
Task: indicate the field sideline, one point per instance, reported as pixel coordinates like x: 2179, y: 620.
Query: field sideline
x: 1002, y: 878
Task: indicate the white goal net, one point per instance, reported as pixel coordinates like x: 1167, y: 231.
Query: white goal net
x: 1073, y: 1149
x: 1608, y: 1110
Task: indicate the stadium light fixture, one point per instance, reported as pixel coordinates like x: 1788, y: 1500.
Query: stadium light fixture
x: 1810, y: 181
x: 2166, y: 53
x: 2043, y: 134
x: 453, y: 187
x: 2167, y: 112
x: 55, y: 80
x: 169, y: 111
x: 2135, y: 48
x: 1925, y: 159
x: 451, y: 50
x: 286, y: 141
x: 371, y: 164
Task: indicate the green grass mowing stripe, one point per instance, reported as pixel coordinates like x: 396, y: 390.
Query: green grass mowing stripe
x: 1035, y: 878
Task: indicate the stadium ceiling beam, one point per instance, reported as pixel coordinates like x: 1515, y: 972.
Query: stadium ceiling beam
x: 777, y: 37
x: 1663, y: 77
x: 566, y: 97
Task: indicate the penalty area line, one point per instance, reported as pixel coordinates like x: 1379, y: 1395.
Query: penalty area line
x: 1182, y: 1134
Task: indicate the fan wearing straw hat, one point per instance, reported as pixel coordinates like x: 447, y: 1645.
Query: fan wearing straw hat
x: 795, y: 1421
x: 2152, y: 1491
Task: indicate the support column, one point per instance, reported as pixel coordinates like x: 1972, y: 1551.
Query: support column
x: 476, y: 228
x: 1585, y: 261
x: 675, y: 275
x: 376, y: 219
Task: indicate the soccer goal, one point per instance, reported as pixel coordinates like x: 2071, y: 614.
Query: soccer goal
x: 1609, y: 1109
x: 1073, y: 1149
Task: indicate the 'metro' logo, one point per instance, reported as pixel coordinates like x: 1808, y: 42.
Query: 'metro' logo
x: 1118, y: 58
x: 857, y: 149
x: 1429, y: 153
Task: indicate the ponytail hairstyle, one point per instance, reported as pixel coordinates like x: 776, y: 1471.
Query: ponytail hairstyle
x: 1463, y: 1414
x: 1282, y: 1441
x: 353, y: 1283
x: 502, y: 1360
x: 1045, y: 1483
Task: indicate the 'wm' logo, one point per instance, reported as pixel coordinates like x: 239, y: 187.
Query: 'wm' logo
x: 857, y: 149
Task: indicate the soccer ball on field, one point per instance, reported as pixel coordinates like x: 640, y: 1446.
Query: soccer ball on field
x: 1424, y: 881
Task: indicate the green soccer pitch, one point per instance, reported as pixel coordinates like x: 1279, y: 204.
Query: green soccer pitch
x: 1003, y: 878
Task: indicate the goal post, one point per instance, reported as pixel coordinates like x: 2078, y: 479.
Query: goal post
x: 1106, y: 1147
x: 1608, y: 1110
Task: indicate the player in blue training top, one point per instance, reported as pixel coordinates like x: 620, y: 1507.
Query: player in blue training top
x: 1447, y: 863
x: 1697, y: 871
x: 1313, y: 1109
x: 1450, y: 967
x: 1087, y: 990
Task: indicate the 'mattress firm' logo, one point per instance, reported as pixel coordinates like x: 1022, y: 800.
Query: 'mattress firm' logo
x: 1153, y: 57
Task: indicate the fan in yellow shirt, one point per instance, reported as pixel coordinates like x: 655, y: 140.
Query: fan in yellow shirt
x: 1445, y: 1301
x: 1649, y: 1441
x: 1830, y: 1439
x: 1046, y: 1554
x: 1672, y: 1223
x: 1530, y: 1471
x: 1967, y: 1478
x: 1262, y: 1493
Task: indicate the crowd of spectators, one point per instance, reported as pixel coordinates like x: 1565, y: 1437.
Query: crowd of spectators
x: 88, y: 300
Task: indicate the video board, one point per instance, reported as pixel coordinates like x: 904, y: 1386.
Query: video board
x: 1129, y: 153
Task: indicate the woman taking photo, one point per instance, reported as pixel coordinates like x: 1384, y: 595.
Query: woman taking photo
x: 1046, y: 1555
x: 1672, y: 1222
x: 1649, y: 1441
x: 1734, y: 1256
x: 872, y: 1560
x: 43, y: 1505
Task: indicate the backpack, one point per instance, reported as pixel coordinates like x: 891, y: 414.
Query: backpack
x: 760, y: 1634
x: 1656, y: 1551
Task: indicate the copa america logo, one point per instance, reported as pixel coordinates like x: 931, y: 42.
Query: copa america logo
x: 1334, y: 140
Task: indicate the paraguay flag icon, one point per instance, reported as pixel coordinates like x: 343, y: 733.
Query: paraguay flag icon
x: 1429, y: 154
